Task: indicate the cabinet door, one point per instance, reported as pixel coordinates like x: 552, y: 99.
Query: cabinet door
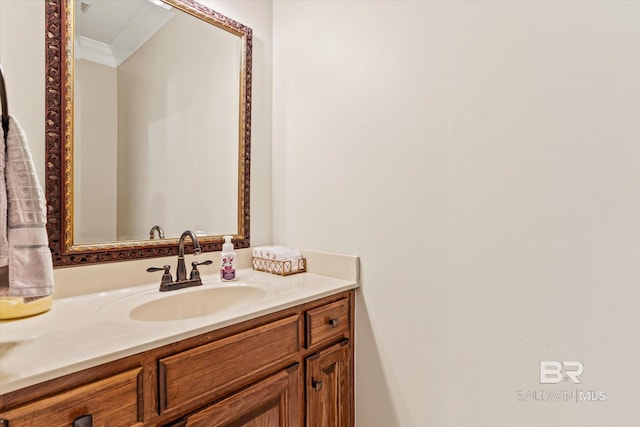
x: 272, y: 402
x: 328, y: 386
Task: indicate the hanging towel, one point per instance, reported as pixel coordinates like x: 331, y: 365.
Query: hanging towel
x: 26, y: 268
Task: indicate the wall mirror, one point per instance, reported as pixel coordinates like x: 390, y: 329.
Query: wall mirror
x: 148, y: 128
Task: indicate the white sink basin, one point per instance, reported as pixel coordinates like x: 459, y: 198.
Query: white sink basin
x: 156, y: 306
x: 202, y: 302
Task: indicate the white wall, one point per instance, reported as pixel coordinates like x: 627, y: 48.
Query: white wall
x: 95, y: 152
x: 483, y: 159
x: 22, y: 59
x: 257, y: 14
x: 178, y: 104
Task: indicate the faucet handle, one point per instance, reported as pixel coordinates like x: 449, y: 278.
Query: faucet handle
x: 166, y: 277
x: 195, y: 274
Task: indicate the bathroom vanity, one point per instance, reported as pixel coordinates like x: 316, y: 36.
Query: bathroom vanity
x: 262, y: 351
x: 285, y: 358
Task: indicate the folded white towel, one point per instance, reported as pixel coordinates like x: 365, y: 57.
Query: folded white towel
x: 263, y: 251
x: 257, y: 252
x: 279, y: 253
x: 266, y: 251
x: 271, y: 251
x: 286, y: 254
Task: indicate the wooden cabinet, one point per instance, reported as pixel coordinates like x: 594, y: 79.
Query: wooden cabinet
x: 329, y: 373
x: 328, y: 387
x: 290, y: 368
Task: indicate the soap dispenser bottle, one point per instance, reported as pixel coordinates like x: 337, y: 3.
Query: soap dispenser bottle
x: 227, y: 261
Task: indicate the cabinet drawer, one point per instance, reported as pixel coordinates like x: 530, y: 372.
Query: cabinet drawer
x: 327, y: 323
x: 212, y: 369
x: 113, y: 401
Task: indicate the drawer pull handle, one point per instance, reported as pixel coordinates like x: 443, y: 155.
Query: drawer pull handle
x: 83, y: 421
x: 333, y: 323
x: 317, y: 385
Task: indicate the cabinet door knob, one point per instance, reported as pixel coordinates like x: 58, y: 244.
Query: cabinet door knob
x: 317, y: 385
x: 333, y: 323
x: 83, y: 421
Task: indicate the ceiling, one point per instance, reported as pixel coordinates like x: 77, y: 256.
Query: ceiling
x: 110, y: 31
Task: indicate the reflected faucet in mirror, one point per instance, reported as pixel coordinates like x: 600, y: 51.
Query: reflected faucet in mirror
x: 167, y: 283
x: 158, y: 229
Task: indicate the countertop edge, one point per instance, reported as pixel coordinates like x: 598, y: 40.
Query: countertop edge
x: 339, y: 286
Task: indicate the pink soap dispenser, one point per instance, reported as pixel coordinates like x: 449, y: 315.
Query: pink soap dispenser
x: 227, y: 261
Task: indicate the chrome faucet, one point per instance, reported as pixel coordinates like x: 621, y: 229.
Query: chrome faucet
x: 181, y: 269
x: 158, y: 229
x: 167, y: 283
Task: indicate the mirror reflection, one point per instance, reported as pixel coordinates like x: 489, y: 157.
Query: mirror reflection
x: 148, y: 128
x: 156, y: 135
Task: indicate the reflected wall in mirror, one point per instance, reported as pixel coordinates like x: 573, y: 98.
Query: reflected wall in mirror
x: 148, y: 124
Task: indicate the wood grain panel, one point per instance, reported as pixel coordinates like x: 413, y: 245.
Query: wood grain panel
x: 113, y: 401
x: 328, y: 387
x: 233, y: 361
x: 327, y: 323
x: 271, y: 402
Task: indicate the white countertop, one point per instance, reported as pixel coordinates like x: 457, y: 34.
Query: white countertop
x: 88, y: 330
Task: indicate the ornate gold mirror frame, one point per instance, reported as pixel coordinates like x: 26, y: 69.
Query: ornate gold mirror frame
x: 59, y: 144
